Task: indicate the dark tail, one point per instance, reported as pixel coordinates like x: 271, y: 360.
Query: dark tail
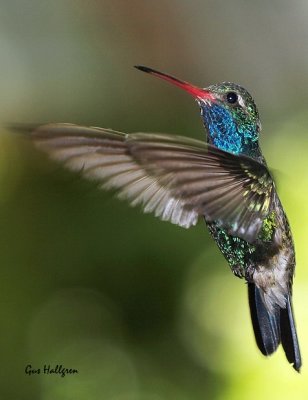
x: 271, y: 329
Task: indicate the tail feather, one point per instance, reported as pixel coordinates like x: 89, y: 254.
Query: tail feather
x: 273, y: 328
x: 289, y: 339
x: 266, y: 326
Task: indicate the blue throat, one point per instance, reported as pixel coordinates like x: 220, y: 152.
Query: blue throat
x: 226, y: 134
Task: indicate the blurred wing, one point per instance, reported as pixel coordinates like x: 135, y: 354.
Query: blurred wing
x: 177, y: 178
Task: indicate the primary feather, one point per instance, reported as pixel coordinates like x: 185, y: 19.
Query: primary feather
x: 176, y: 178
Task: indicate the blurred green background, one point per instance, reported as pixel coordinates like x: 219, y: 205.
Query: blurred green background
x: 143, y: 309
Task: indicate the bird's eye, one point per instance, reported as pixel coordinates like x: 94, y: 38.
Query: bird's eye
x: 231, y: 97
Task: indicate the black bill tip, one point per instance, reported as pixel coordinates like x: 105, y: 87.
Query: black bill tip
x: 144, y: 69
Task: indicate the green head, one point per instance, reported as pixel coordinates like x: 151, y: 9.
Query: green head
x: 228, y: 112
x: 231, y: 119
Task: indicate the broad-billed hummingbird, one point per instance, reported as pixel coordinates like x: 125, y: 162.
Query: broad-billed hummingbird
x: 225, y: 181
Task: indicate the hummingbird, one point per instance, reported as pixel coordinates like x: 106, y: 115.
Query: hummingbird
x: 223, y: 180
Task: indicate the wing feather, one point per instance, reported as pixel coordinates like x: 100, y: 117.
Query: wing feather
x: 177, y: 178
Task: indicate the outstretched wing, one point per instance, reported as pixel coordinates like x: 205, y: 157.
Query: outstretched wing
x: 177, y: 178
